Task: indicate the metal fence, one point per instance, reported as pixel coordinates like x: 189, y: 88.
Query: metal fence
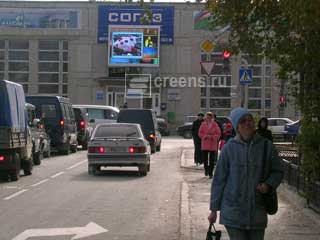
x: 296, y: 178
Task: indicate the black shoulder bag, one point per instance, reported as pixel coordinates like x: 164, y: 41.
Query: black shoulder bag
x: 270, y: 199
x: 216, y: 235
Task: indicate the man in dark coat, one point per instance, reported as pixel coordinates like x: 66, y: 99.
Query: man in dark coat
x: 196, y: 139
x: 263, y: 129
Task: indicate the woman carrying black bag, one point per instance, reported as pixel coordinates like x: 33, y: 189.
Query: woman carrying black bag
x: 248, y: 173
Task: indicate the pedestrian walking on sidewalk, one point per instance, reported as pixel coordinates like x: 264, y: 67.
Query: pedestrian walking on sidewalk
x: 196, y: 139
x: 209, y: 132
x: 263, y: 129
x: 237, y: 189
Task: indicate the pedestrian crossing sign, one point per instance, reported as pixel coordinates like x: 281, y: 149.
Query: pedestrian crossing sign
x: 245, y: 76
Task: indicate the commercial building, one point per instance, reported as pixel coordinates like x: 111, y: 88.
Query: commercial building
x: 63, y: 48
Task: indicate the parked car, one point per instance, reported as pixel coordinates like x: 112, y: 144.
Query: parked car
x: 291, y: 130
x: 147, y: 119
x: 58, y: 118
x: 118, y: 144
x: 276, y: 125
x: 186, y: 129
x: 163, y: 126
x: 40, y: 139
x: 84, y: 127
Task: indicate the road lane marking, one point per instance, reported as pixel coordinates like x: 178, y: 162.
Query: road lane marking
x: 89, y: 230
x: 10, y: 187
x: 15, y: 194
x: 77, y: 164
x: 38, y: 183
x: 56, y: 175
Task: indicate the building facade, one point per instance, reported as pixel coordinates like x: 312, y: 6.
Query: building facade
x: 58, y: 48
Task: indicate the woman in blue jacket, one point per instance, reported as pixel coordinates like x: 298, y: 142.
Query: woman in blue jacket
x: 237, y: 189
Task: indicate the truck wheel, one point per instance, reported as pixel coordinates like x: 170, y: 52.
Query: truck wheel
x: 143, y: 170
x: 47, y: 154
x: 27, y: 168
x: 85, y: 145
x: 158, y: 148
x: 93, y: 170
x: 15, y: 174
x: 4, y: 177
x: 187, y: 134
x: 66, y: 151
x: 37, y: 158
x: 153, y: 148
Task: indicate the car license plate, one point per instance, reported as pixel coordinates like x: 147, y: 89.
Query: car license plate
x: 118, y: 149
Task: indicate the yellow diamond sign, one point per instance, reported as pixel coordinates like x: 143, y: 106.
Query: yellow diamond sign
x: 207, y: 46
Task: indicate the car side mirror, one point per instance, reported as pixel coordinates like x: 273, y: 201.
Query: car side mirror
x: 36, y: 123
x: 92, y: 120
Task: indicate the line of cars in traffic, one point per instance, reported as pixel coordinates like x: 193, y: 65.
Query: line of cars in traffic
x: 112, y: 137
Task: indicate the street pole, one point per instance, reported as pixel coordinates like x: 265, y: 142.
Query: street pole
x: 244, y: 88
x: 208, y: 87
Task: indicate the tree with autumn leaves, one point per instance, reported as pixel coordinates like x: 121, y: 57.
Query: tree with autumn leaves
x: 288, y: 32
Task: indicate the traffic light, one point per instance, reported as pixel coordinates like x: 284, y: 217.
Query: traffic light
x: 226, y: 61
x: 282, y: 102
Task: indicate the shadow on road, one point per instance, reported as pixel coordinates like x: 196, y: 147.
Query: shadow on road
x: 114, y: 175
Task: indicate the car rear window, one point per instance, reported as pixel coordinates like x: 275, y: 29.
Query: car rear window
x: 77, y: 114
x: 144, y: 118
x: 48, y: 111
x: 117, y: 131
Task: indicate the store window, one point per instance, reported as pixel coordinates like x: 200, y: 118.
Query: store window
x: 53, y: 65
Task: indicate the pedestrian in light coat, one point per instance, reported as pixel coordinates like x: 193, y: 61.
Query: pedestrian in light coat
x: 237, y: 188
x: 210, y: 133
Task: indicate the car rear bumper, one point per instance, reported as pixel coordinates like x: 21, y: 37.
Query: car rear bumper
x: 118, y: 160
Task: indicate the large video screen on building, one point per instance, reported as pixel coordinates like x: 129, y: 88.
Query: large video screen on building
x: 134, y: 45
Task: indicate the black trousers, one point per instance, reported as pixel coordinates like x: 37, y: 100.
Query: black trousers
x: 208, y: 158
x: 197, y: 152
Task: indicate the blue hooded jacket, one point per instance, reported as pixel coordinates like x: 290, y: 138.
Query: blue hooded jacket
x: 239, y: 170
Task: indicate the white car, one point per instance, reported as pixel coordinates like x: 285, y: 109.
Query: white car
x: 277, y: 125
x: 118, y: 144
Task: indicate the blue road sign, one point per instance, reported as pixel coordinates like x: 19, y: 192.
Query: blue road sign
x: 245, y: 76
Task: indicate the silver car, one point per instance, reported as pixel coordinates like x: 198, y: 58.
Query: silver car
x: 118, y: 144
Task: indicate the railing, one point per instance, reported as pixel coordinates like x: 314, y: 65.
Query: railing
x: 296, y: 178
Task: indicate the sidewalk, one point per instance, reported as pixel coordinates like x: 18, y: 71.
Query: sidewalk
x: 292, y: 222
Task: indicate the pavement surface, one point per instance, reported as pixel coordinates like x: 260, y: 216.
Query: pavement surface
x: 60, y: 201
x: 292, y: 222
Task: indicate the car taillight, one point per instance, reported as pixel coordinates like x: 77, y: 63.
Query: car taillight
x: 137, y: 149
x: 2, y: 158
x: 82, y: 124
x: 96, y: 149
x: 152, y: 136
x: 61, y: 123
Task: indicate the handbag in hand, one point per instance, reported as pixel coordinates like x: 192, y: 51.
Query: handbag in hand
x: 213, y: 235
x: 270, y: 199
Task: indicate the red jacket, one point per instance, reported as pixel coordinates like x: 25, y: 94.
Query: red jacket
x: 209, y: 136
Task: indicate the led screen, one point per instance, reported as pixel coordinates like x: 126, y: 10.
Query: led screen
x: 134, y: 45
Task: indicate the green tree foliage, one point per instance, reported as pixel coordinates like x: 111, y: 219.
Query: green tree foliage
x: 287, y: 32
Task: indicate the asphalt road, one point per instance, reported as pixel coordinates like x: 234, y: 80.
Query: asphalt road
x: 61, y: 198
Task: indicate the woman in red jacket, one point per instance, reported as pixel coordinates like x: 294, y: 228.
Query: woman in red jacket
x: 209, y: 132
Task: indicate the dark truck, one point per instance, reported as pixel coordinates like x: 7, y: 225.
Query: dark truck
x: 15, y: 136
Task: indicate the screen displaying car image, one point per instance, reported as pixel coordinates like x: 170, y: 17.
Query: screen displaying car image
x: 127, y: 44
x: 134, y: 45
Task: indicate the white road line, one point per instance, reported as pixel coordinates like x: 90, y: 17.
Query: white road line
x: 56, y: 175
x: 77, y: 164
x: 15, y: 194
x: 38, y: 183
